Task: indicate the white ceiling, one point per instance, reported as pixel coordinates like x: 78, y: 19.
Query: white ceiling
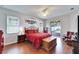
x: 36, y: 10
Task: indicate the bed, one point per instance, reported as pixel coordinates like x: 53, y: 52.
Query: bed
x: 36, y: 37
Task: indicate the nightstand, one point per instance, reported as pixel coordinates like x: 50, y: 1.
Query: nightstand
x: 21, y: 38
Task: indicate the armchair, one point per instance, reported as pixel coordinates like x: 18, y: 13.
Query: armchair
x: 68, y: 38
x: 1, y: 41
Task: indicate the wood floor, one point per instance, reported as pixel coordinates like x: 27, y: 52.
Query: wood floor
x: 27, y: 48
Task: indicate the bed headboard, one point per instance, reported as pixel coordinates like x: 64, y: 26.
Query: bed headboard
x: 27, y: 30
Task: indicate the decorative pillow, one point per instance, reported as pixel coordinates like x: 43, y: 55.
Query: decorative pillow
x: 31, y: 31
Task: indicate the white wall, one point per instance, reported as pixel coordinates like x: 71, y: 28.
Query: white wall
x: 74, y: 21
x: 68, y: 22
x: 9, y: 38
x: 38, y: 24
x: 12, y: 38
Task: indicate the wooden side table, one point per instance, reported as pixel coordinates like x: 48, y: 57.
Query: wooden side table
x: 49, y: 43
x: 21, y: 38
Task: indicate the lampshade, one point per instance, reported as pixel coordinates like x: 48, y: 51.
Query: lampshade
x: 21, y: 30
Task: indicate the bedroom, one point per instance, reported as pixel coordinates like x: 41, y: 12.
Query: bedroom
x: 39, y: 18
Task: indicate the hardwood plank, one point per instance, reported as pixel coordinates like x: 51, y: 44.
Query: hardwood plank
x: 27, y: 48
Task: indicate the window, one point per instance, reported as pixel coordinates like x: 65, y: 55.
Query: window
x: 55, y: 28
x: 12, y: 24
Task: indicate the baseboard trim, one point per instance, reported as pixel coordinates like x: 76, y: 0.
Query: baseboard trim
x: 9, y: 43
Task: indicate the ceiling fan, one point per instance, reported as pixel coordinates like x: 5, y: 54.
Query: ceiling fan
x: 45, y: 11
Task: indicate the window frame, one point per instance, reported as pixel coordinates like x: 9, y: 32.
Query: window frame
x: 15, y: 23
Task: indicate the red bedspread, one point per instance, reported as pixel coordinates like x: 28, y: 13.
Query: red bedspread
x: 36, y: 38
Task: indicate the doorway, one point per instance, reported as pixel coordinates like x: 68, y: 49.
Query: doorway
x: 55, y: 28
